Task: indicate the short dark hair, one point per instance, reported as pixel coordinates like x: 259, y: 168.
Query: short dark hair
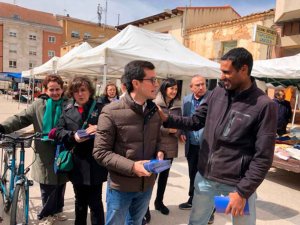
x: 169, y: 82
x: 239, y: 57
x: 123, y: 80
x: 134, y: 70
x: 53, y: 78
x: 77, y: 82
x: 278, y: 93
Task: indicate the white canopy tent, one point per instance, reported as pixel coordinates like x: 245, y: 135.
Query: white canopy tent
x: 279, y: 68
x: 71, y: 54
x: 47, y: 67
x: 285, y: 70
x: 54, y: 63
x: 169, y: 56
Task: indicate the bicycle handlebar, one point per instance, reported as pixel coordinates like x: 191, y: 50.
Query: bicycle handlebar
x: 19, y: 138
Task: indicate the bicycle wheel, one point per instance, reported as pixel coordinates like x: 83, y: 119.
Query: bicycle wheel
x: 6, y: 180
x: 19, y: 206
x: 1, y: 205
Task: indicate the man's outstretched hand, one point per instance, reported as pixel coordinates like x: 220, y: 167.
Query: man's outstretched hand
x: 162, y: 115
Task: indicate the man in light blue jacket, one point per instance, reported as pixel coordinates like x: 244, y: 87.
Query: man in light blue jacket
x: 193, y: 139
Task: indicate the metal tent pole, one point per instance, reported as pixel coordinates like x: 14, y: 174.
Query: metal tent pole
x: 296, y: 103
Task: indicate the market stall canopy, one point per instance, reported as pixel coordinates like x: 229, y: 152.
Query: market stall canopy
x: 280, y: 71
x: 170, y: 57
x: 47, y: 67
x: 285, y: 67
x: 54, y: 63
x: 72, y: 53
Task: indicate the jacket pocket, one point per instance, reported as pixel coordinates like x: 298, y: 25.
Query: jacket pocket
x: 245, y: 161
x: 236, y: 124
x: 226, y: 164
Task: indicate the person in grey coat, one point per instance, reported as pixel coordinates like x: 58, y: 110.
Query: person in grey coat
x: 44, y: 114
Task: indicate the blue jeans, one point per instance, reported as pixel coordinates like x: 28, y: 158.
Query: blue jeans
x: 203, y: 202
x: 126, y: 208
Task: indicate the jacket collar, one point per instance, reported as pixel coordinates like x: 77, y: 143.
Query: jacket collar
x: 242, y: 94
x: 43, y: 96
x: 150, y: 108
x: 159, y: 100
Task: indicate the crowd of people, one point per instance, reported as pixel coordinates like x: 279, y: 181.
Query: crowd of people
x: 229, y: 135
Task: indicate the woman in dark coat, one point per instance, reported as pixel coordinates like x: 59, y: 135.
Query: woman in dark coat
x: 87, y: 176
x: 110, y: 94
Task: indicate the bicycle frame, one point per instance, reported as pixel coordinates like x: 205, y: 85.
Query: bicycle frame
x: 20, y: 178
x: 17, y: 176
x: 10, y: 165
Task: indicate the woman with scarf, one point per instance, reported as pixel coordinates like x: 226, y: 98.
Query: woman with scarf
x: 87, y: 176
x: 44, y: 114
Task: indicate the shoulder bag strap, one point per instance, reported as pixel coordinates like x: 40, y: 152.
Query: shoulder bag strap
x: 89, y: 115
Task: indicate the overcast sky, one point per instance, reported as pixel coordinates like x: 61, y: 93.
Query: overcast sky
x: 130, y: 10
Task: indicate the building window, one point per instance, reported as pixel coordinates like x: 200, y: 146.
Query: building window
x: 12, y: 64
x: 12, y: 48
x: 75, y: 34
x: 227, y: 46
x: 32, y: 52
x: 12, y: 34
x: 87, y: 35
x: 31, y: 65
x: 16, y: 17
x: 51, y: 39
x: 51, y: 53
x: 32, y: 37
x: 291, y: 28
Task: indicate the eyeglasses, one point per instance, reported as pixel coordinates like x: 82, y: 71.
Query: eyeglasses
x: 153, y: 80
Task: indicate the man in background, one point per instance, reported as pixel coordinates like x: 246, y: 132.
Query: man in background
x: 284, y: 112
x: 193, y: 139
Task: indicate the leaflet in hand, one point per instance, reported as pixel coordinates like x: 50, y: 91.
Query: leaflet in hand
x: 157, y: 166
x: 221, y: 203
x: 83, y: 134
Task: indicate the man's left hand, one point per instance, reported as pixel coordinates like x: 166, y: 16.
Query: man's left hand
x: 160, y: 155
x: 236, y: 204
x: 162, y: 115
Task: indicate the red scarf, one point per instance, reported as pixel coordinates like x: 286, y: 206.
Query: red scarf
x: 80, y: 109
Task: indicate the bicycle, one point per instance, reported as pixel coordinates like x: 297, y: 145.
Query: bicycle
x: 14, y: 185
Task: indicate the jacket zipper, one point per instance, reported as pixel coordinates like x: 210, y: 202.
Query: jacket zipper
x: 217, y: 131
x: 242, y: 162
x: 143, y: 178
